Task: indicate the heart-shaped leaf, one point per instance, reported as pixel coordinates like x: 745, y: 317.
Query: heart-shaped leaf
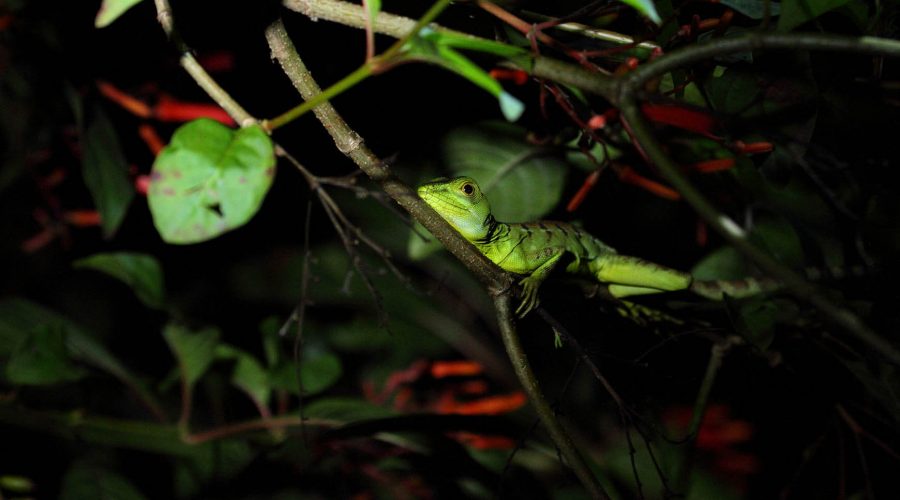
x: 139, y: 271
x: 210, y: 179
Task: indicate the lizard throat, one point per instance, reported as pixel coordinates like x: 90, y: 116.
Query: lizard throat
x: 493, y: 230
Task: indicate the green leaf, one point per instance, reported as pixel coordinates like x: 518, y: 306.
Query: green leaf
x: 270, y: 328
x: 18, y: 317
x: 733, y: 92
x: 42, y: 358
x: 250, y: 377
x: 521, y: 57
x: 110, y: 10
x: 418, y: 248
x: 16, y: 484
x: 523, y: 182
x: 105, y: 171
x: 778, y: 236
x: 646, y: 8
x: 90, y: 482
x: 195, y: 351
x: 756, y: 320
x: 797, y: 12
x: 318, y: 371
x: 141, y: 272
x: 216, y: 463
x: 754, y: 9
x: 724, y: 263
x: 428, y: 46
x: 210, y: 179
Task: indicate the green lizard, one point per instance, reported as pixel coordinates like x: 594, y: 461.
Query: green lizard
x: 534, y: 249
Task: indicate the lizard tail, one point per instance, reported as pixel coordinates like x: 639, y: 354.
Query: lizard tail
x: 737, y: 289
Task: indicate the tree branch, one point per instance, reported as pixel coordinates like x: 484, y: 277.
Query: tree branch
x: 545, y: 412
x: 351, y: 144
x: 497, y: 281
x: 355, y: 16
x: 626, y: 99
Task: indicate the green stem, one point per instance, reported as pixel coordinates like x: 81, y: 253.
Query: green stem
x: 139, y: 435
x: 390, y: 56
x: 546, y: 414
x: 345, y: 83
x: 429, y: 16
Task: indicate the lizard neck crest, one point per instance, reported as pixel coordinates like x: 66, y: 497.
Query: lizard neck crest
x: 462, y: 204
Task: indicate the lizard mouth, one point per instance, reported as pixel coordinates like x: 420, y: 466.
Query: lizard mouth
x: 442, y: 203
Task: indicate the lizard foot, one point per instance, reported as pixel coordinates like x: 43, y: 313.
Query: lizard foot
x: 529, y: 296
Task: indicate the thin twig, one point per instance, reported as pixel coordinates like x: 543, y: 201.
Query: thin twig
x: 190, y: 64
x: 351, y: 144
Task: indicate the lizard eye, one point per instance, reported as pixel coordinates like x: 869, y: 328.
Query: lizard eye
x: 468, y: 189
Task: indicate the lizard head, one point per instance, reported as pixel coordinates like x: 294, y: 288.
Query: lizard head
x: 461, y: 203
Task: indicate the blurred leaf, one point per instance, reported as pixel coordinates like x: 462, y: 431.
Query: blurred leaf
x: 754, y: 9
x: 797, y: 12
x: 16, y: 484
x: 248, y: 374
x: 724, y: 263
x: 209, y: 179
x: 756, y: 320
x: 110, y: 10
x: 775, y: 235
x: 645, y: 7
x: 139, y: 271
x: 90, y: 482
x: 18, y: 317
x: 417, y: 247
x: 523, y: 182
x: 879, y: 380
x: 270, y: 329
x: 624, y: 462
x: 195, y: 351
x: 252, y: 378
x: 218, y: 462
x: 318, y: 371
x: 42, y: 358
x: 345, y: 409
x: 778, y: 236
x: 733, y: 92
x: 105, y: 171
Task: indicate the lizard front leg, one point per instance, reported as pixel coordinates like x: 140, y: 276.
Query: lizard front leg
x: 532, y: 282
